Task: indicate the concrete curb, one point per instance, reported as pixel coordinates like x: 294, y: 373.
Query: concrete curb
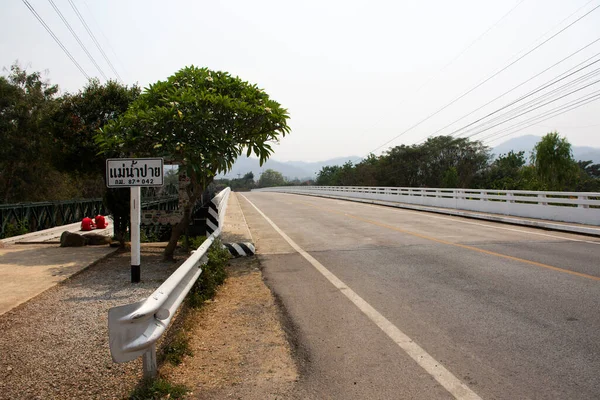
x: 549, y: 225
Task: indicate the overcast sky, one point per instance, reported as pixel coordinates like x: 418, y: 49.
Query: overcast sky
x: 353, y: 74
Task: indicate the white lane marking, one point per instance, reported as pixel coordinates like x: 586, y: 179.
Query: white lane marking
x: 434, y: 368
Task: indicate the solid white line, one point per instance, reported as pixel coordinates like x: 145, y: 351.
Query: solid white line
x: 444, y: 377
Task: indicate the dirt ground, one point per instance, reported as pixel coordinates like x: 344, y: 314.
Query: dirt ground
x: 239, y: 346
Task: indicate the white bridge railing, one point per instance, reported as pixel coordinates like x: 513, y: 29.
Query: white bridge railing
x: 135, y: 328
x: 576, y: 207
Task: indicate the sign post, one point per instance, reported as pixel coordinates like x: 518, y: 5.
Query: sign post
x: 134, y: 173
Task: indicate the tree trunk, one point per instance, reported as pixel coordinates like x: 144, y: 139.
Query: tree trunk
x: 180, y: 228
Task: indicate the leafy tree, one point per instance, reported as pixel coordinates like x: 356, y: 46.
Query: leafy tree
x: 504, y: 173
x: 202, y: 120
x: 329, y: 176
x: 271, y: 178
x: 589, y: 176
x: 450, y: 178
x: 554, y: 164
x: 26, y: 172
x: 78, y: 118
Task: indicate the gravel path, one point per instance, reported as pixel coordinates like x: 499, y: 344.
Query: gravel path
x: 56, y: 345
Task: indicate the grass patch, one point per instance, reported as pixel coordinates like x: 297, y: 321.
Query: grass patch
x: 157, y: 389
x: 213, y: 275
x: 176, y: 345
x: 177, y: 348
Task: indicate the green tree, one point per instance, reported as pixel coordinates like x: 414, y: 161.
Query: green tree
x: 554, y: 164
x: 26, y: 172
x: 271, y: 178
x: 504, y: 173
x: 202, y: 120
x: 329, y: 176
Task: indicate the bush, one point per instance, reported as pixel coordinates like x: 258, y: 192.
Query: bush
x: 16, y: 229
x: 157, y: 389
x: 213, y: 274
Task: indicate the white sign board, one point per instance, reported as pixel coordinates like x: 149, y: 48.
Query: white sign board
x: 130, y: 172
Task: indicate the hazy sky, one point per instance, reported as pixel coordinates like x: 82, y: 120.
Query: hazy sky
x: 353, y: 74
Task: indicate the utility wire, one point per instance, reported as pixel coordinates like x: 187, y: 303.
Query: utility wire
x: 531, y: 93
x: 56, y: 39
x: 518, y: 86
x: 595, y: 96
x: 535, y: 108
x: 77, y: 38
x: 493, y: 75
x: 507, y: 116
x: 463, y: 51
x: 89, y: 31
x: 107, y: 42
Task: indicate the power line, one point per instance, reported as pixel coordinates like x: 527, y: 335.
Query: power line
x: 552, y: 94
x: 531, y: 93
x: 535, y: 108
x: 493, y: 75
x: 56, y: 39
x: 89, y: 31
x: 106, y: 39
x: 555, y: 112
x: 519, y: 85
x: 463, y: 51
x: 77, y: 38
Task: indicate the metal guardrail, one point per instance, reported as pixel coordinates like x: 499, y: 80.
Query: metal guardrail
x: 135, y: 328
x: 575, y: 207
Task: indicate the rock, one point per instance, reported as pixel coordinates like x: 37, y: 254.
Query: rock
x: 68, y: 239
x: 95, y: 239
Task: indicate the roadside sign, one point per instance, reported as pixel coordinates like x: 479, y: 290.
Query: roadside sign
x: 131, y: 172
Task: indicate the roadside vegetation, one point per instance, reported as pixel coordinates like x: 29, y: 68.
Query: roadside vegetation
x: 448, y: 162
x: 176, y: 343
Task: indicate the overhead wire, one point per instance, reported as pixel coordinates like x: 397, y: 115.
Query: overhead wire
x: 496, y: 73
x: 518, y: 86
x: 98, y: 46
x: 463, y: 51
x: 463, y: 130
x: 595, y: 96
x: 106, y: 41
x: 535, y: 108
x: 64, y: 20
x: 56, y: 39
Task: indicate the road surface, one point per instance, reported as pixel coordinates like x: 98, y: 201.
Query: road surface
x: 389, y: 303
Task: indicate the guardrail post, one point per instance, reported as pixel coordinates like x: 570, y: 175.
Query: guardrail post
x: 543, y: 201
x: 149, y: 363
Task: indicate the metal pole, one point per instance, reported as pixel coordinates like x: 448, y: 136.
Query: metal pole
x: 135, y: 233
x: 149, y: 363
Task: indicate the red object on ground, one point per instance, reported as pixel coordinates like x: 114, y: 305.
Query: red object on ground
x: 87, y: 224
x: 100, y: 222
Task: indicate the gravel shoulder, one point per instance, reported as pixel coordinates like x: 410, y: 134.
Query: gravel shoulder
x: 55, y: 346
x: 240, y: 349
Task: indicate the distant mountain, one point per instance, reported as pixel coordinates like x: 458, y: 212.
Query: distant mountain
x: 289, y: 169
x: 527, y: 142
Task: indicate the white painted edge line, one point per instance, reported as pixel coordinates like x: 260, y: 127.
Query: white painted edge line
x: 444, y: 377
x: 424, y: 211
x: 243, y: 217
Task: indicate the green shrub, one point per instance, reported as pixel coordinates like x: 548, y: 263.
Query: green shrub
x: 16, y: 229
x: 177, y: 349
x: 157, y: 389
x: 213, y: 275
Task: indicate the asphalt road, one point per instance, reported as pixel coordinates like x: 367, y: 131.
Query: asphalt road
x: 385, y: 303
